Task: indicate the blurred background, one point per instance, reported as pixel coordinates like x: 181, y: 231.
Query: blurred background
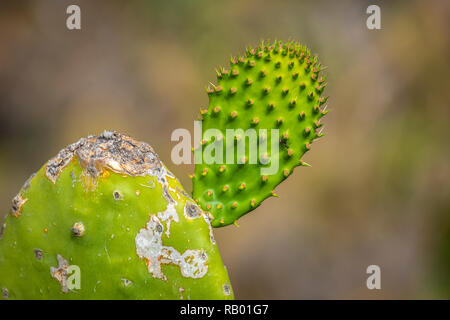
x: 378, y: 191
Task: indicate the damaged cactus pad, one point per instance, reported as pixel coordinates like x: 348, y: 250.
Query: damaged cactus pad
x: 105, y: 219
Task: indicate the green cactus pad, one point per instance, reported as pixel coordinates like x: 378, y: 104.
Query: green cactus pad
x: 274, y: 86
x: 108, y: 206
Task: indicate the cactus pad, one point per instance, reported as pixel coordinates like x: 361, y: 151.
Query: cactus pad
x: 108, y: 206
x: 274, y: 86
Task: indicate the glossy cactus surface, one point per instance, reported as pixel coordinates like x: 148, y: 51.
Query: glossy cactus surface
x: 108, y: 206
x: 274, y: 86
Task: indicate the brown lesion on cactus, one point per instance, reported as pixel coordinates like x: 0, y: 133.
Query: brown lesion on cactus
x: 17, y: 204
x: 78, y: 229
x: 126, y: 282
x: 226, y: 289
x: 181, y: 290
x: 38, y: 254
x: 61, y: 273
x: 117, y: 195
x: 191, y: 211
x: 111, y: 150
x: 5, y: 293
x: 2, y: 230
x: 27, y: 183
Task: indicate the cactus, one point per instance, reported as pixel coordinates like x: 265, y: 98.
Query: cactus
x: 274, y: 86
x: 109, y: 206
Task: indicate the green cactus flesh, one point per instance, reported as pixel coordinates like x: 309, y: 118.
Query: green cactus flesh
x: 274, y: 86
x: 108, y: 205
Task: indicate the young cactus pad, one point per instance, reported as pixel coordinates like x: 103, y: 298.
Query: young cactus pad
x: 274, y: 86
x: 106, y: 213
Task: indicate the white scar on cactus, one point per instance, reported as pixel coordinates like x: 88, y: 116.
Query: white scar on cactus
x: 149, y: 246
x: 191, y: 210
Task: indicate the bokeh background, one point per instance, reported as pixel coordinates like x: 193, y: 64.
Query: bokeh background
x: 378, y: 191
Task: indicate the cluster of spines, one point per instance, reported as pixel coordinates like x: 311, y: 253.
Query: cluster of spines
x: 306, y: 83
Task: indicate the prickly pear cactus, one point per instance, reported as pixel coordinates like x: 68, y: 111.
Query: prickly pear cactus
x: 105, y: 219
x: 274, y: 86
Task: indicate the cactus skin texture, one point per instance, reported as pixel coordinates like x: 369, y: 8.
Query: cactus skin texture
x: 109, y: 206
x: 274, y: 86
